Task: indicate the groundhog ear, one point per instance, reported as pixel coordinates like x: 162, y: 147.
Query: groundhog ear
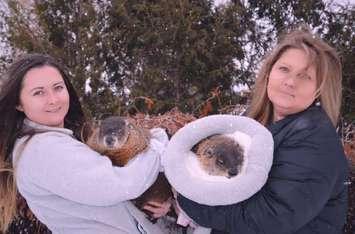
x: 86, y: 131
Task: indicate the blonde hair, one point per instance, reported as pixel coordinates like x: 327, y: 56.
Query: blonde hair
x: 328, y: 75
x: 8, y: 192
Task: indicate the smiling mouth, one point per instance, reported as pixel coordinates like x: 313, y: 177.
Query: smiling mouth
x: 54, y: 110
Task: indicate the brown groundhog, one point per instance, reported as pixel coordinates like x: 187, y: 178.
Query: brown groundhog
x: 121, y: 140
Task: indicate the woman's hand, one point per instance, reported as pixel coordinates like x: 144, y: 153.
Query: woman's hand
x: 158, y: 209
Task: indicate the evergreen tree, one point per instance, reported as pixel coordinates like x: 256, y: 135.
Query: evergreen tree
x: 341, y: 34
x: 181, y: 50
x: 169, y: 53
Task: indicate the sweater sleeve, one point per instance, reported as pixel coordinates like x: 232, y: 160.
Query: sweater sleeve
x: 300, y: 184
x: 65, y: 167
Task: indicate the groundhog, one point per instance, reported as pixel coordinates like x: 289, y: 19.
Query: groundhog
x: 115, y: 137
x: 220, y: 155
x: 121, y: 140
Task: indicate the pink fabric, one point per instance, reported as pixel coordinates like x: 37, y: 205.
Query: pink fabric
x: 183, y: 219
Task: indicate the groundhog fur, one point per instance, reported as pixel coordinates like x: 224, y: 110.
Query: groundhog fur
x: 115, y: 137
x: 220, y: 155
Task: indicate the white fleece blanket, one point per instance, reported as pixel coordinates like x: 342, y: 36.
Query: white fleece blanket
x: 184, y: 174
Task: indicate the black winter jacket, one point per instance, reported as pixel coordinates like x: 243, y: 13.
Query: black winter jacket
x: 305, y: 192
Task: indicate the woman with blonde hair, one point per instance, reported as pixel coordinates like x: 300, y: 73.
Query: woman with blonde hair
x: 297, y: 96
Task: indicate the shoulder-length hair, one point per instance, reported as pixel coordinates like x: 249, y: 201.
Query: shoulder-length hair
x: 328, y: 75
x: 11, y: 124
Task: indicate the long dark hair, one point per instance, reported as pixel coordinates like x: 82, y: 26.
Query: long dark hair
x: 11, y: 124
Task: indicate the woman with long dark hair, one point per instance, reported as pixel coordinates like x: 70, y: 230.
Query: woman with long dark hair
x: 68, y: 186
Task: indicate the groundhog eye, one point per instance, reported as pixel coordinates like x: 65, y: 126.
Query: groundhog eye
x: 220, y: 162
x: 130, y: 126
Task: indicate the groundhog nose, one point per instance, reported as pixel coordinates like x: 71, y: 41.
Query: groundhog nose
x: 233, y: 171
x: 109, y: 140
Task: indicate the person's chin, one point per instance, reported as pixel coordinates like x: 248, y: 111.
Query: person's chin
x: 283, y: 109
x: 282, y: 103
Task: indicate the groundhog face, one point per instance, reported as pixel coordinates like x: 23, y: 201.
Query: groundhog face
x: 115, y: 137
x: 110, y: 133
x: 220, y: 155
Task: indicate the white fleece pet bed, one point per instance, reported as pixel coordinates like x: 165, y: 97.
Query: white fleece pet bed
x: 185, y: 175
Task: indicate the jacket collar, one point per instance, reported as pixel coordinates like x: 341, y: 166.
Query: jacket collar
x: 30, y: 125
x: 275, y: 127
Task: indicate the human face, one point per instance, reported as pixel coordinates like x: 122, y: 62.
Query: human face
x: 292, y: 83
x: 44, y: 97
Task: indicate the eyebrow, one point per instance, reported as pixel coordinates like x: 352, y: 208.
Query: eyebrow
x: 59, y: 82
x: 305, y: 69
x: 41, y: 87
x: 283, y: 63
